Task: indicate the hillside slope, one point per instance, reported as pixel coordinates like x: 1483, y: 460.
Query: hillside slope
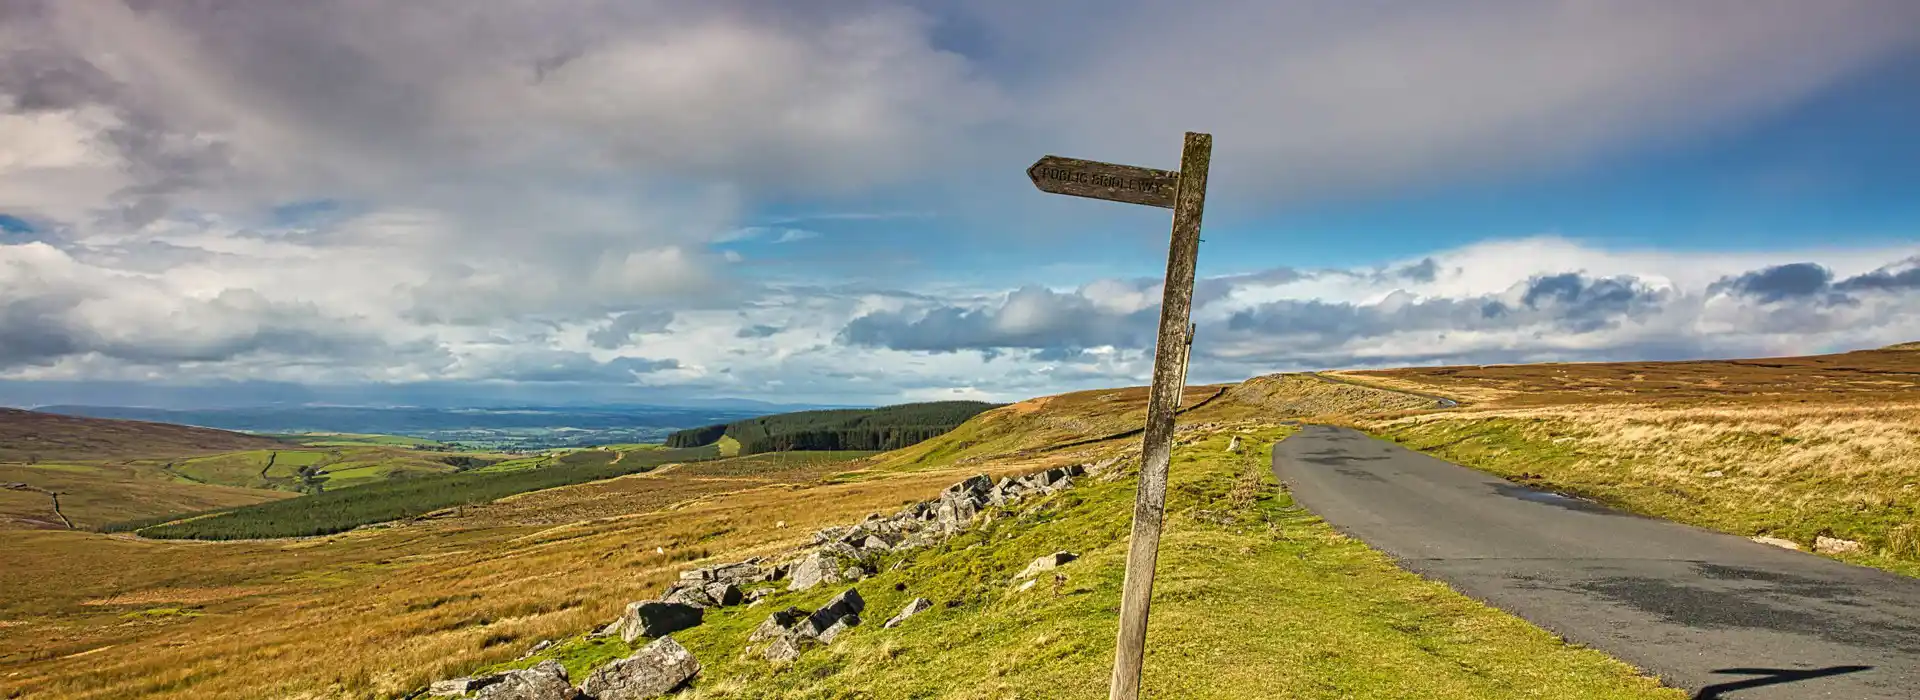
x: 884, y: 428
x: 33, y: 436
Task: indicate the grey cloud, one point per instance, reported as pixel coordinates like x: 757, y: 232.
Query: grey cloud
x: 47, y: 326
x: 1812, y: 282
x: 546, y: 366
x: 624, y: 327
x: 1790, y: 281
x: 1059, y: 326
x: 1425, y: 271
x: 1030, y: 317
x: 1885, y: 279
x: 757, y: 331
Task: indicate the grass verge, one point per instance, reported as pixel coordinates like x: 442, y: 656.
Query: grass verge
x: 1747, y: 472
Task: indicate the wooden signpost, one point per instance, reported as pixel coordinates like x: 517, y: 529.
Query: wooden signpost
x: 1185, y: 192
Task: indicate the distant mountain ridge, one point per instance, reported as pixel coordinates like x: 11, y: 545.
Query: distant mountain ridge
x: 407, y: 421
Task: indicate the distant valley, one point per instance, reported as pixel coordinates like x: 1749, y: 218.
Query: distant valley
x: 510, y: 428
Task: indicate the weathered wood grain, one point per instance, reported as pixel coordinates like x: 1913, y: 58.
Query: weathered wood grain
x: 1109, y: 181
x: 1169, y: 376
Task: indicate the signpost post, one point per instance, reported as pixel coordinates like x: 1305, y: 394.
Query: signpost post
x: 1185, y: 192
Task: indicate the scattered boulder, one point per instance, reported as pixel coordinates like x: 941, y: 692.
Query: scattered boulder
x: 1046, y: 563
x: 976, y: 484
x: 779, y: 624
x: 847, y: 603
x: 1026, y: 586
x: 544, y: 645
x: 1777, y: 542
x: 462, y: 686
x: 818, y: 567
x: 1834, y: 545
x: 655, y: 670
x: 657, y: 618
x: 724, y: 594
x: 833, y: 631
x: 695, y: 596
x: 784, y: 649
x: 919, y: 605
x: 545, y: 681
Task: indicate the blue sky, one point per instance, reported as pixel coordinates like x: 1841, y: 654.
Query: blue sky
x: 827, y: 202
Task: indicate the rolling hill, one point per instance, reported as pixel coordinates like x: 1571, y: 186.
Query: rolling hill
x: 884, y: 428
x: 33, y: 436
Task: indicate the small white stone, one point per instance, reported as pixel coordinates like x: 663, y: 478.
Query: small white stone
x: 1777, y: 542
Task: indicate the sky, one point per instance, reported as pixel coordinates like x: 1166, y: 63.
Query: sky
x: 484, y: 201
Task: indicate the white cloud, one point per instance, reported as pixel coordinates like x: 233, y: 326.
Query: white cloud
x: 520, y: 190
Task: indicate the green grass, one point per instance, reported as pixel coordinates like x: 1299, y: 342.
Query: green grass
x: 390, y: 498
x: 1255, y: 599
x: 1545, y: 454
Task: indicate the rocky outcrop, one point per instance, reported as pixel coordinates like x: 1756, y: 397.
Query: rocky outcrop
x: 785, y: 634
x: 657, y: 618
x: 461, y: 686
x: 1046, y: 563
x: 656, y: 669
x: 837, y: 555
x: 919, y: 605
x: 546, y: 681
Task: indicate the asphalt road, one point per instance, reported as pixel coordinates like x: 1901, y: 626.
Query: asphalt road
x: 1715, y: 614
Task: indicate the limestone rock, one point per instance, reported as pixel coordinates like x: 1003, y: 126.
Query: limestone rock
x: 655, y: 670
x: 847, y: 603
x: 779, y: 624
x: 919, y: 605
x: 546, y: 681
x: 784, y: 649
x: 1834, y: 545
x: 839, y: 626
x: 461, y: 686
x: 1046, y: 563
x: 724, y: 594
x: 1777, y: 542
x: 976, y: 484
x: 656, y: 618
x: 818, y: 567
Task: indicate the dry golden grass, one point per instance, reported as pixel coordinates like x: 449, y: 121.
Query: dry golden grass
x: 1847, y: 378
x: 97, y: 494
x: 1307, y: 396
x: 384, y: 610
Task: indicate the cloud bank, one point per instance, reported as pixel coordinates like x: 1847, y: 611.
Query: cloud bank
x: 587, y: 193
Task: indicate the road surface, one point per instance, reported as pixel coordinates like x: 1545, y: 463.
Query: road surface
x: 1718, y: 615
